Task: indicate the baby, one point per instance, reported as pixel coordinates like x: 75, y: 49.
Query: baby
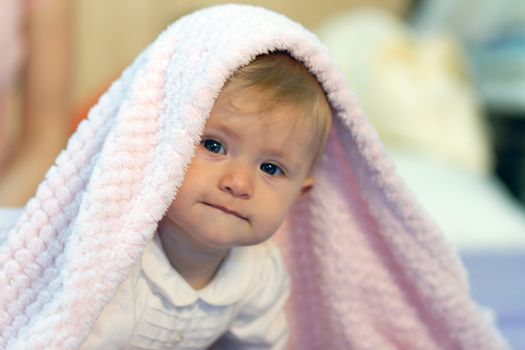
x: 211, y: 271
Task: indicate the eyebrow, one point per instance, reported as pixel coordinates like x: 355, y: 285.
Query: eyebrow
x: 227, y: 130
x: 279, y: 155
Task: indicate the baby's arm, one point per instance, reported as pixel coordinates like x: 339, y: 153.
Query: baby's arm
x: 261, y: 321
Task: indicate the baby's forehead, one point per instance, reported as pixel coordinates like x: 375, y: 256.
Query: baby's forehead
x: 301, y: 124
x: 269, y: 113
x: 282, y: 131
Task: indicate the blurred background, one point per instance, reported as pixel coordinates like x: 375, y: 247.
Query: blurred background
x: 442, y: 81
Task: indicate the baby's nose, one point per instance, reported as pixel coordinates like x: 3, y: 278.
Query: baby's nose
x: 237, y: 180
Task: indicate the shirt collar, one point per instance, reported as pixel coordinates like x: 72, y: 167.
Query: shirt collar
x: 228, y: 286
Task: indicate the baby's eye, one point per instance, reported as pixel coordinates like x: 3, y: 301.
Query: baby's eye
x: 213, y: 146
x: 271, y: 169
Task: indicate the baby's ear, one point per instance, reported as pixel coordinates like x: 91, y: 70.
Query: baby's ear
x: 308, y: 184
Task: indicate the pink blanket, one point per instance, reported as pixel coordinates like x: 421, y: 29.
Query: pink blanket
x: 369, y: 269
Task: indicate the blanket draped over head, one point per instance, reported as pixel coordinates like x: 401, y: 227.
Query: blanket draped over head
x: 369, y: 269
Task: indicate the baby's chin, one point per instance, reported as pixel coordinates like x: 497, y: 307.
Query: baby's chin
x: 226, y: 235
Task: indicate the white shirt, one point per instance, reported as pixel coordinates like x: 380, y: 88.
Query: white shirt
x: 155, y: 308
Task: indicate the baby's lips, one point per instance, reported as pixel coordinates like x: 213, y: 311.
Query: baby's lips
x: 227, y: 211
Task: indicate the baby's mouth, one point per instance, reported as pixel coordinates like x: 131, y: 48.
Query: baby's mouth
x: 226, y: 210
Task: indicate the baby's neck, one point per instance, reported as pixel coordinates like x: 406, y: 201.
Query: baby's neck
x: 197, y: 268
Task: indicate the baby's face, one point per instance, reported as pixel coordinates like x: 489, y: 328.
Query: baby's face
x: 251, y: 165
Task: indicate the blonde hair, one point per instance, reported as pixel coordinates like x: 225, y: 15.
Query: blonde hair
x: 283, y: 80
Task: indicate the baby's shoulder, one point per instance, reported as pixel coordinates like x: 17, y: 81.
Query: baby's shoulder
x: 267, y: 265
x: 265, y: 256
x: 268, y: 279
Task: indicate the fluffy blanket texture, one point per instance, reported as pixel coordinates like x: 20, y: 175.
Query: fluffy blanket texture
x: 369, y: 269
